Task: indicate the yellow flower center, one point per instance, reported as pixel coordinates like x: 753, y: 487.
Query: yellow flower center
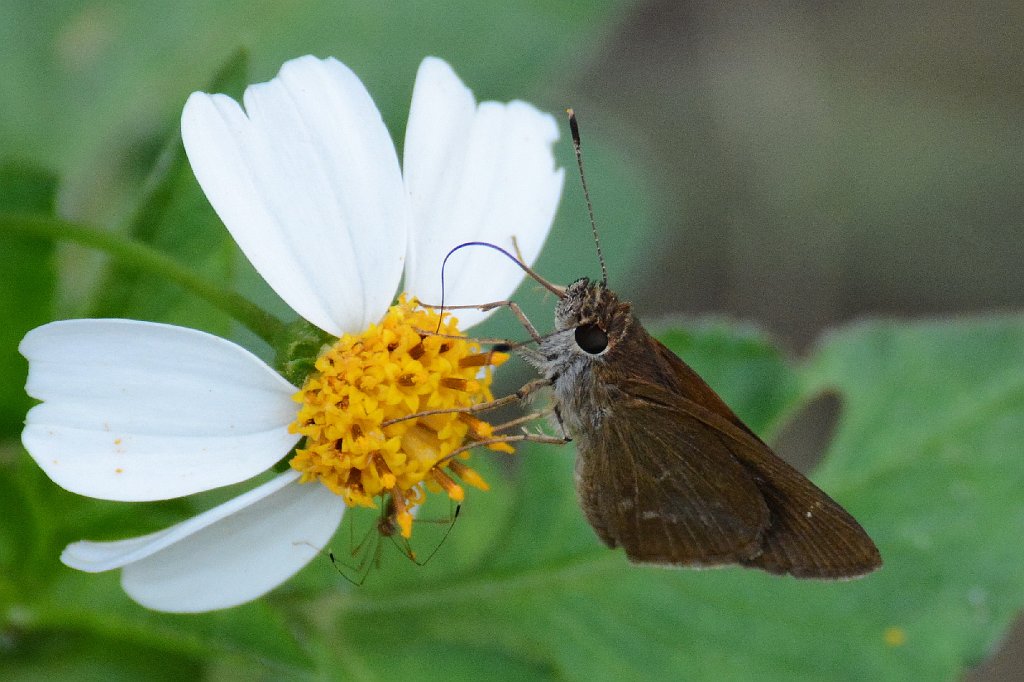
x: 364, y: 434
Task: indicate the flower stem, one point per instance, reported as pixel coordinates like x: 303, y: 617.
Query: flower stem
x: 141, y: 256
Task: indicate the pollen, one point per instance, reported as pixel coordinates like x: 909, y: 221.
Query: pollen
x: 360, y: 411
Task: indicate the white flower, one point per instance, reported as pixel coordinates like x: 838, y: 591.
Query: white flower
x: 307, y: 180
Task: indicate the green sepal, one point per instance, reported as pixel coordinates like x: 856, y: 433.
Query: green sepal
x: 297, y: 348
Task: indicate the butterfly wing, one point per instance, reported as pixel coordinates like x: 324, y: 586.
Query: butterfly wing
x: 811, y: 535
x: 651, y: 483
x: 679, y: 479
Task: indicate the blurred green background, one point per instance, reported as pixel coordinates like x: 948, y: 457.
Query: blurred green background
x: 796, y: 166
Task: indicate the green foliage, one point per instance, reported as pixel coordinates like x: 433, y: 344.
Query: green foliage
x: 925, y: 454
x: 757, y: 389
x: 27, y: 284
x: 110, y: 70
x: 175, y: 218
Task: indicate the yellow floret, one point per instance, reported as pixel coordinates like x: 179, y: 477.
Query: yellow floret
x: 364, y: 382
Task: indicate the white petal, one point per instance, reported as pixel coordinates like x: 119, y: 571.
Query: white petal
x: 226, y: 556
x: 145, y: 411
x: 96, y: 557
x: 307, y: 181
x: 473, y: 173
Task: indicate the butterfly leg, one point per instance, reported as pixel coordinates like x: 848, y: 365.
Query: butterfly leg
x: 484, y: 307
x: 561, y: 424
x: 515, y: 438
x: 551, y: 411
x: 525, y: 391
x: 525, y: 419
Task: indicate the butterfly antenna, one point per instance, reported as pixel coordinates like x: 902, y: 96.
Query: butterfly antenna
x: 574, y: 129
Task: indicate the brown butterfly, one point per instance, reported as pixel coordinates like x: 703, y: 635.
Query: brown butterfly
x: 666, y: 470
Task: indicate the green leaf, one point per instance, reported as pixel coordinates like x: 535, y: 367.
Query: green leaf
x: 27, y: 285
x: 92, y: 606
x: 743, y: 366
x: 928, y: 453
x: 924, y: 458
x: 57, y: 655
x: 21, y: 526
x: 175, y: 218
x: 106, y: 69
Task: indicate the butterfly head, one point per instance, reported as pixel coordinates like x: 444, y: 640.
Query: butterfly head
x: 595, y: 313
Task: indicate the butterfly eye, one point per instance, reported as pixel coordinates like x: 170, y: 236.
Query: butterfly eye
x: 591, y: 338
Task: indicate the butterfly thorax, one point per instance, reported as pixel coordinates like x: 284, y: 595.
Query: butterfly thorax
x: 589, y: 314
